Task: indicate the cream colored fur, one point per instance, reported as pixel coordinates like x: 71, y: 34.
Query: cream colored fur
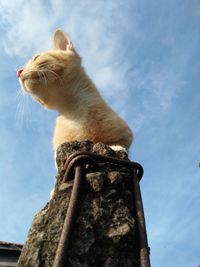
x: 57, y: 80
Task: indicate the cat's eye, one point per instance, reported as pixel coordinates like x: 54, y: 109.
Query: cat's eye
x: 35, y: 57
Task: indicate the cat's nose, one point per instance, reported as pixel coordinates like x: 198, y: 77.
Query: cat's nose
x: 19, y: 72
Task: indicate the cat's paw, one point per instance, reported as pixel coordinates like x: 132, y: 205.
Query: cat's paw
x: 52, y: 193
x: 55, y: 162
x: 118, y: 148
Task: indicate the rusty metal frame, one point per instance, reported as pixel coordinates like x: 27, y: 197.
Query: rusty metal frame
x: 74, y: 170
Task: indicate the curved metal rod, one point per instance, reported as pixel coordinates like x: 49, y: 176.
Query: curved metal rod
x: 112, y: 160
x: 78, y: 160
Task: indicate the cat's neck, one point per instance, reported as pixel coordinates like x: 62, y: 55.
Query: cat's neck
x: 84, y: 97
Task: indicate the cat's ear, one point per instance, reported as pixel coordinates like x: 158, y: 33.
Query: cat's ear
x: 62, y: 41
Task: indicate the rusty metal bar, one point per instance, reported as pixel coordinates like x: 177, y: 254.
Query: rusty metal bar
x: 78, y: 159
x: 99, y: 158
x: 144, y: 248
x: 75, y: 161
x: 61, y: 253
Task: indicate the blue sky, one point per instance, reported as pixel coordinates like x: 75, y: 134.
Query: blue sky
x: 144, y: 58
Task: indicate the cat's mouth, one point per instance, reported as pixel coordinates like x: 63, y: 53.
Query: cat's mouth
x: 33, y: 78
x: 29, y: 82
x: 22, y: 85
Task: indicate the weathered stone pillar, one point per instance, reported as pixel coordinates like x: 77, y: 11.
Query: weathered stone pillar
x: 104, y: 233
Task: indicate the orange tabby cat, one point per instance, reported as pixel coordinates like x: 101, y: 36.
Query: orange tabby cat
x: 57, y: 80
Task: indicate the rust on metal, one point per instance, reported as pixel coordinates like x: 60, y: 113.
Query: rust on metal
x: 96, y: 158
x: 144, y: 248
x: 74, y: 169
x: 61, y: 255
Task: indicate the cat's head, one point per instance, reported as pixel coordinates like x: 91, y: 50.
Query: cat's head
x: 47, y: 74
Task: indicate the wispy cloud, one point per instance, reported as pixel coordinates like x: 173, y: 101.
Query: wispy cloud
x: 161, y: 81
x: 26, y: 27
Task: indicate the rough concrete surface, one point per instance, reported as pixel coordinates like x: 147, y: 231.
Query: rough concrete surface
x: 104, y: 233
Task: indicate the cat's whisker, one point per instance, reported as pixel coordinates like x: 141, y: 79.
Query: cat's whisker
x: 17, y: 95
x: 20, y: 108
x: 23, y: 112
x: 45, y: 68
x: 44, y: 77
x: 40, y: 76
x: 27, y: 111
x: 55, y: 74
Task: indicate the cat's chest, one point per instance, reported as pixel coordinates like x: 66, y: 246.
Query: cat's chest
x: 63, y: 124
x: 67, y: 130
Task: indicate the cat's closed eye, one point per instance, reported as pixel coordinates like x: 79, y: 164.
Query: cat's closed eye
x: 35, y: 57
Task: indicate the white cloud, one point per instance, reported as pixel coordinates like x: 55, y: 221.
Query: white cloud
x: 166, y: 84
x: 25, y: 25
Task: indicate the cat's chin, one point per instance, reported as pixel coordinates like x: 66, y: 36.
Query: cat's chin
x: 45, y: 104
x: 22, y: 86
x: 31, y: 85
x: 31, y: 82
x: 39, y: 100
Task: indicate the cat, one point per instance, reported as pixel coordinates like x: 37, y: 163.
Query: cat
x: 57, y: 80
